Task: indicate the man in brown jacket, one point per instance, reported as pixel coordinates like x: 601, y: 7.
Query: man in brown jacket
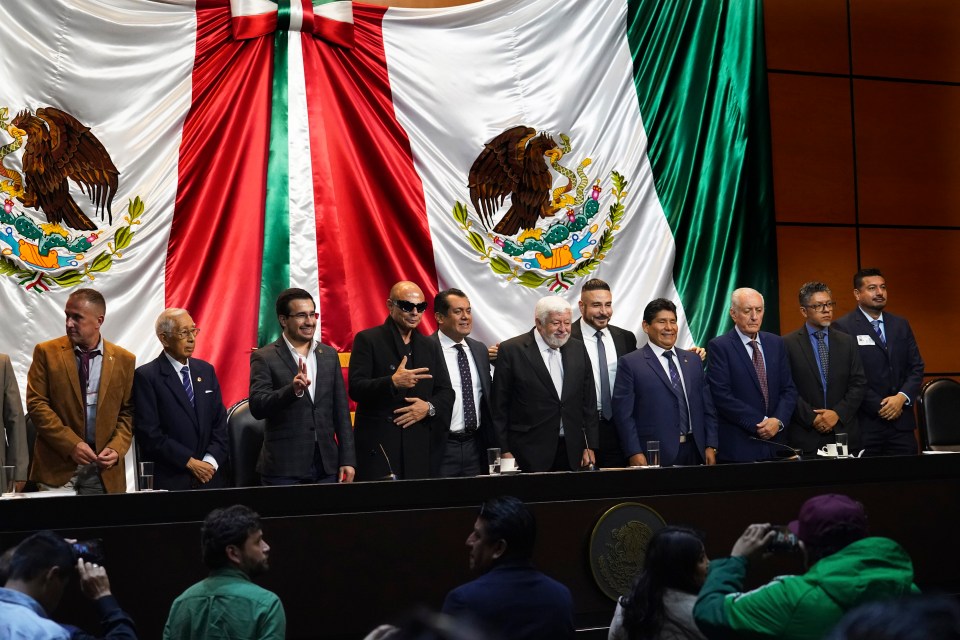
x: 79, y: 398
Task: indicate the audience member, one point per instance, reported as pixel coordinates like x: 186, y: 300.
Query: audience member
x: 40, y: 568
x: 180, y: 420
x: 912, y: 618
x: 660, y: 604
x: 511, y: 599
x: 226, y: 604
x: 80, y: 399
x: 846, y: 568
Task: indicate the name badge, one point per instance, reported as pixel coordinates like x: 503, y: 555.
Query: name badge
x: 865, y: 340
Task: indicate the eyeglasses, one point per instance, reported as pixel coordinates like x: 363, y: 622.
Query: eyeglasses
x: 183, y: 334
x: 820, y: 308
x: 303, y: 316
x: 408, y: 307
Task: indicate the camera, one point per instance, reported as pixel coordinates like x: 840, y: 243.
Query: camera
x: 90, y: 550
x: 783, y: 541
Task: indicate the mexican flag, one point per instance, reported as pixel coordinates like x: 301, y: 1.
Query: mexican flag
x: 343, y: 147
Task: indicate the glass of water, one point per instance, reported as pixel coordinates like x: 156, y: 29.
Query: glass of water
x: 653, y: 453
x: 493, y: 460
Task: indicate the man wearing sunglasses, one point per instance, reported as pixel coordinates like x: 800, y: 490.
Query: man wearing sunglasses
x: 296, y: 385
x: 179, y: 418
x: 402, y: 390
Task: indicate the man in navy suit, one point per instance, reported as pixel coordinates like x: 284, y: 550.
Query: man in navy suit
x: 605, y: 344
x: 751, y: 385
x: 661, y: 394
x: 510, y: 599
x: 893, y: 366
x: 179, y: 419
x: 296, y: 385
x: 459, y: 451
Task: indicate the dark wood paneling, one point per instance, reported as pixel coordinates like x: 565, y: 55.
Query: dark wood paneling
x: 812, y: 148
x: 906, y: 38
x: 807, y: 36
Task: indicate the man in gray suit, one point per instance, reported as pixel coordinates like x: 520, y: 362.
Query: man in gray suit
x: 468, y: 363
x: 829, y: 376
x: 13, y: 449
x: 296, y: 385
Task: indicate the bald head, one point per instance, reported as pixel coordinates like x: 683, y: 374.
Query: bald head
x: 406, y: 306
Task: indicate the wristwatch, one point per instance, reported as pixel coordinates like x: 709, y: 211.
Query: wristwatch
x: 431, y: 410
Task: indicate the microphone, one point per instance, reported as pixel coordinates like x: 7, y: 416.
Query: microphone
x: 391, y: 475
x: 586, y: 443
x: 796, y: 452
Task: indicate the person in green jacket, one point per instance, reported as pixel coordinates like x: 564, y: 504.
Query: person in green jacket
x: 845, y: 568
x: 226, y: 604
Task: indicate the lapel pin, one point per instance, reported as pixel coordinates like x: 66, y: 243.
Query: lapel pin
x: 199, y: 379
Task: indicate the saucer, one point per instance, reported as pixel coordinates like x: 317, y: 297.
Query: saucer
x: 512, y: 472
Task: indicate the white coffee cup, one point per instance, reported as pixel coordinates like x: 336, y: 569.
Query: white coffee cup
x: 508, y: 464
x: 830, y: 450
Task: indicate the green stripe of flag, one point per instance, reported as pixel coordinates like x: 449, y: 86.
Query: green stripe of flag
x: 699, y: 70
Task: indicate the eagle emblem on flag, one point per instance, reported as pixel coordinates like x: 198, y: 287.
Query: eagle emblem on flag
x: 64, y: 246
x: 550, y: 234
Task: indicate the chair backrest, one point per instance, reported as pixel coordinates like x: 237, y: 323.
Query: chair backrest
x: 246, y: 439
x: 939, y: 410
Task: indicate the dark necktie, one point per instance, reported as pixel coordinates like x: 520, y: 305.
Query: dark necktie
x: 761, y: 373
x: 678, y: 389
x: 83, y: 368
x: 606, y: 406
x: 466, y: 391
x: 185, y: 379
x: 824, y: 359
x: 878, y: 327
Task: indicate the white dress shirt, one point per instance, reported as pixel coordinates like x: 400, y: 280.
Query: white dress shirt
x: 590, y: 340
x: 449, y: 348
x: 311, y: 361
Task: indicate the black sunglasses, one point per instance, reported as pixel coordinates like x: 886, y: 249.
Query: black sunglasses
x: 407, y: 307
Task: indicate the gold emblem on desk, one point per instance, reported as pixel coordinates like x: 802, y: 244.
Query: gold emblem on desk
x: 618, y: 546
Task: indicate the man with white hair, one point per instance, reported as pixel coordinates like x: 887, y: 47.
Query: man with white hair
x: 750, y: 381
x: 179, y: 420
x: 544, y: 399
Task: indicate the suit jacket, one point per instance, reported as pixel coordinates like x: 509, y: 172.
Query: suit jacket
x: 14, y: 450
x: 377, y: 353
x: 295, y: 424
x: 527, y: 411
x: 515, y: 601
x: 736, y: 394
x: 55, y: 405
x: 890, y: 369
x: 625, y: 341
x: 485, y: 427
x: 846, y: 384
x: 170, y: 430
x: 646, y: 407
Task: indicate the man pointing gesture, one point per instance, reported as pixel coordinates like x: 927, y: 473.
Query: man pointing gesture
x: 403, y: 392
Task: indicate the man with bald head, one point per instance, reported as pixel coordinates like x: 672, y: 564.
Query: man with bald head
x: 79, y: 398
x: 180, y: 421
x: 402, y: 389
x: 544, y: 398
x: 750, y: 381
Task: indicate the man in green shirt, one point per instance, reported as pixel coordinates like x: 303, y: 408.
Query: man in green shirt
x: 227, y: 604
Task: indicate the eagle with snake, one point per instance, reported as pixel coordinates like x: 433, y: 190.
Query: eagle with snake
x: 58, y: 149
x: 512, y: 164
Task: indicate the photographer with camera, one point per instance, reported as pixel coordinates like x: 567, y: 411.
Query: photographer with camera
x: 40, y: 569
x: 845, y: 568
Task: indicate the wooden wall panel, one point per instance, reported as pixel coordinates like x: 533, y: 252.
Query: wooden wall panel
x: 812, y: 148
x: 807, y: 36
x: 907, y: 160
x: 916, y: 39
x: 916, y: 263
x: 828, y: 254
